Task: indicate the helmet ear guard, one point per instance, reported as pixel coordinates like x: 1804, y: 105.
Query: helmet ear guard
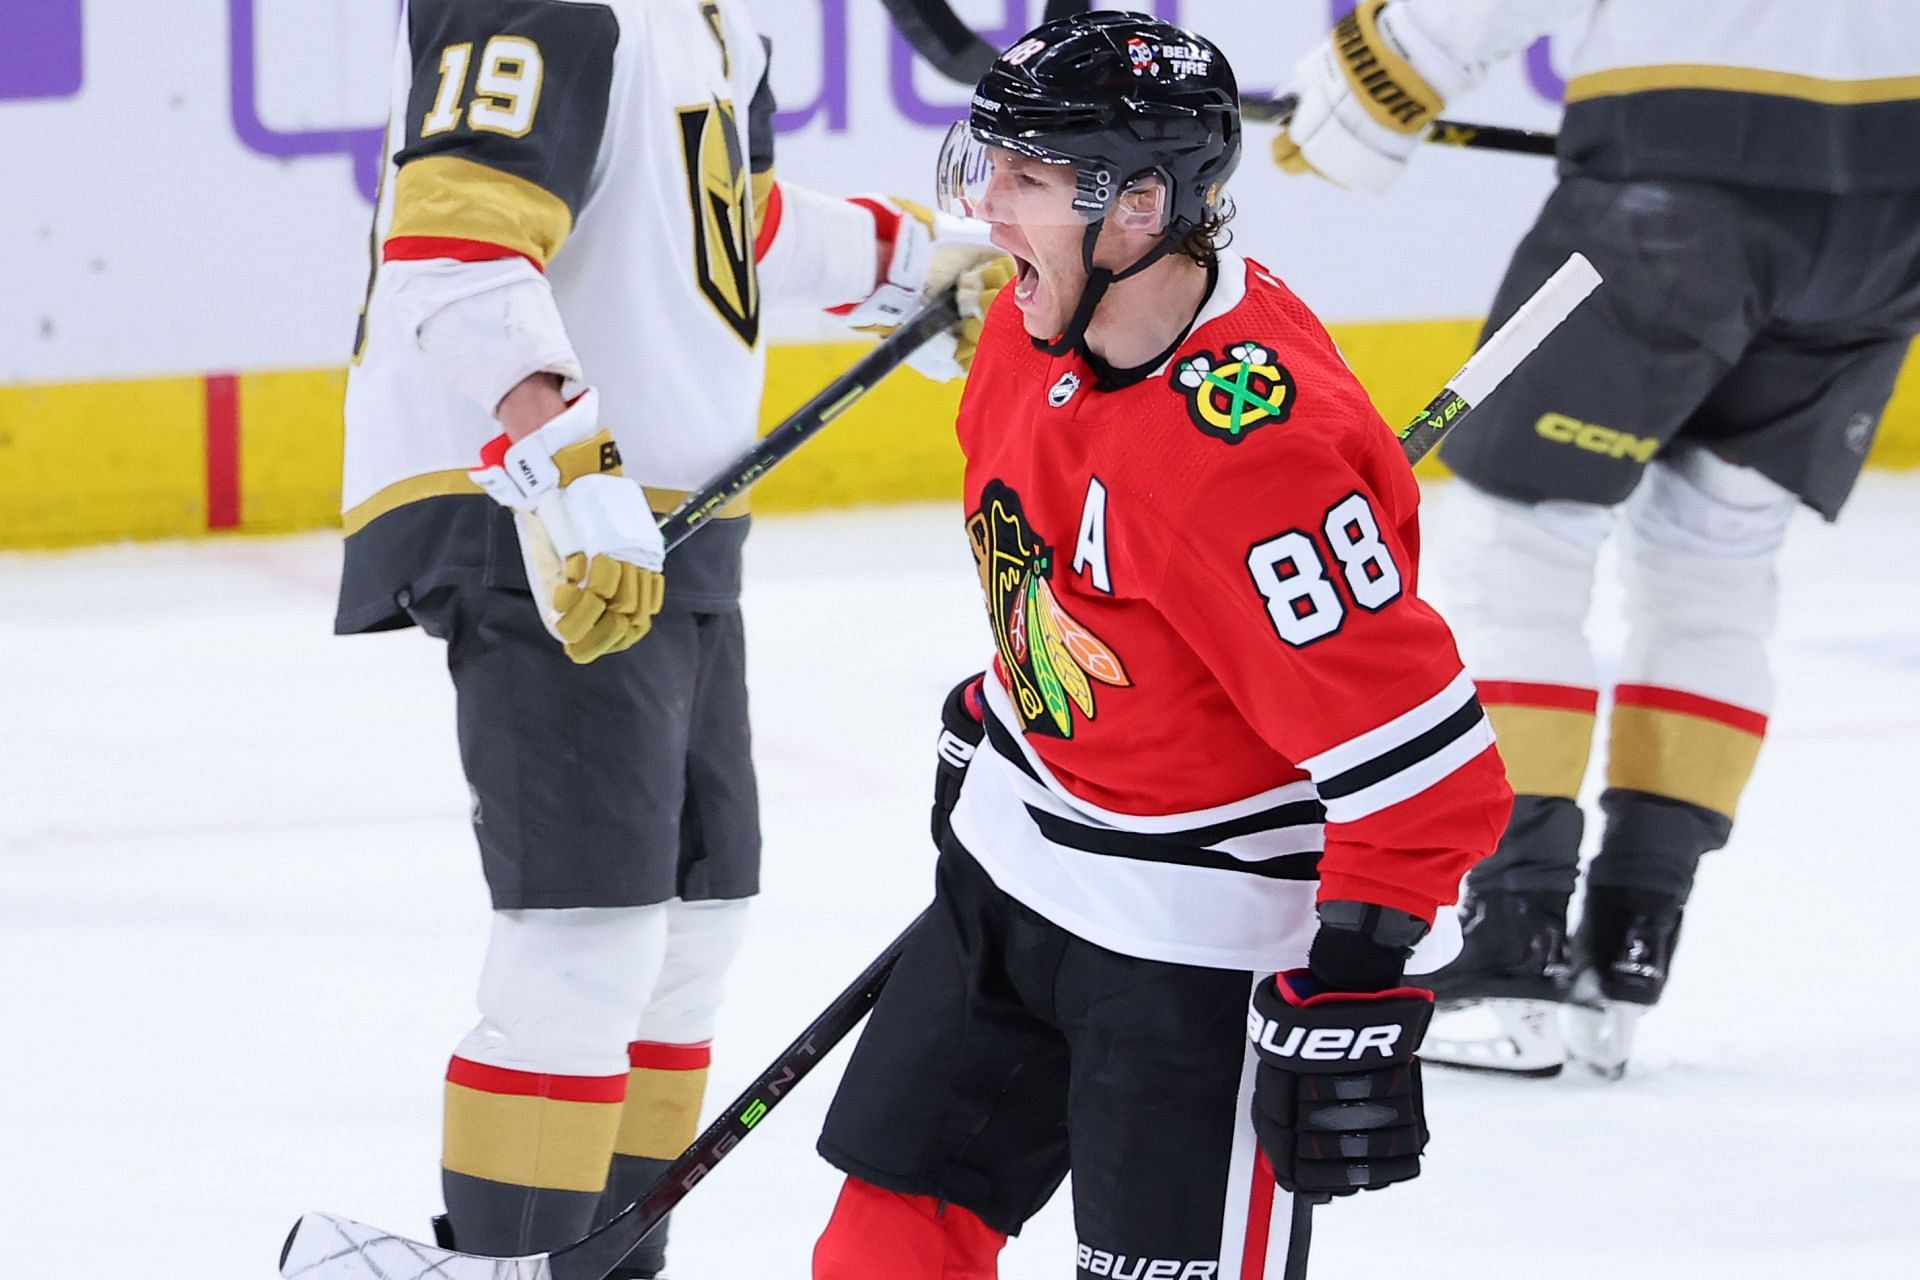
x: 1143, y: 205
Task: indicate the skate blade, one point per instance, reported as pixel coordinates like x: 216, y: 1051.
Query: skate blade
x: 1599, y: 1032
x: 1498, y: 1037
x: 325, y: 1247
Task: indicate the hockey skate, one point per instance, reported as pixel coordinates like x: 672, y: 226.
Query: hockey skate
x: 443, y: 1236
x: 1622, y: 954
x: 1497, y: 1005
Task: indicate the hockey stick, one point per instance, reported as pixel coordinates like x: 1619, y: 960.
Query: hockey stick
x: 1446, y: 133
x: 1497, y: 357
x: 324, y: 1247
x: 953, y: 48
x: 957, y: 52
x: 1484, y: 370
x: 934, y: 317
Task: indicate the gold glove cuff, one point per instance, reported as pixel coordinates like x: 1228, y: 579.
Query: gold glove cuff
x: 596, y: 455
x: 1387, y: 86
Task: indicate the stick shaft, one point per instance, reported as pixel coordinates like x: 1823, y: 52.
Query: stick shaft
x: 1500, y: 354
x: 597, y: 1254
x: 1445, y: 133
x: 1486, y: 369
x: 1300, y: 1234
x: 739, y: 475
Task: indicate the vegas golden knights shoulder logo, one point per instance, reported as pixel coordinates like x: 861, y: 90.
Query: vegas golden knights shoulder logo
x: 722, y: 198
x: 710, y: 10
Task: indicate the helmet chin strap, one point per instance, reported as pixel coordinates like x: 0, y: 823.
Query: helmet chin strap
x: 1099, y: 280
x: 1108, y: 378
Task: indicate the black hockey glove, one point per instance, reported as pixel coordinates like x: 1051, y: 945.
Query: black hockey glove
x: 1337, y: 1106
x: 962, y: 726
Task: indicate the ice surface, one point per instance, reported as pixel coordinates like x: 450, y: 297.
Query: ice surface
x: 240, y: 919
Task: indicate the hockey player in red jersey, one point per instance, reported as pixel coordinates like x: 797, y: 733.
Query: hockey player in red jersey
x: 1217, y: 702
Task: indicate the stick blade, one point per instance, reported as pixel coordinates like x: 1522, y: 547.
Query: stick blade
x: 325, y: 1247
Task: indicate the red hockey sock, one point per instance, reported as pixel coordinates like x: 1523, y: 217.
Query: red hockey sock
x: 883, y: 1235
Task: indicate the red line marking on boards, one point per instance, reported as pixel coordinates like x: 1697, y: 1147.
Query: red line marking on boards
x: 223, y: 451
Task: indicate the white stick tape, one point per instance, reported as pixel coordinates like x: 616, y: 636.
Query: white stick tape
x: 1525, y: 329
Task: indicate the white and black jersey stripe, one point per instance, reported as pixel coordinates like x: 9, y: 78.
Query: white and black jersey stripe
x: 1280, y: 840
x: 1404, y: 756
x: 1228, y: 887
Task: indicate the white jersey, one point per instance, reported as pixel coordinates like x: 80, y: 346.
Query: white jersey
x: 1819, y: 95
x: 583, y: 188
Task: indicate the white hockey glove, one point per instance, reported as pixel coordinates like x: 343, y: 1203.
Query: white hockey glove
x: 931, y: 252
x: 1366, y: 96
x: 927, y: 252
x: 592, y: 550
x: 950, y: 355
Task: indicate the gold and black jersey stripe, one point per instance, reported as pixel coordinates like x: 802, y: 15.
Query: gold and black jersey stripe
x: 504, y: 122
x: 1744, y: 126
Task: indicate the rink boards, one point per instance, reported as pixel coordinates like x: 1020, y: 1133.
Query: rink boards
x: 260, y: 452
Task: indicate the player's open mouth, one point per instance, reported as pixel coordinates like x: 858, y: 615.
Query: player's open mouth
x: 1025, y: 281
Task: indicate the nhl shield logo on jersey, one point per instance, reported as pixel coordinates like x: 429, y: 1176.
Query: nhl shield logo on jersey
x: 1229, y: 396
x: 1063, y: 390
x: 1051, y: 660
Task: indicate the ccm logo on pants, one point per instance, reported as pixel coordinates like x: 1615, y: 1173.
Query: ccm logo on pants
x: 1561, y: 429
x: 1322, y: 1044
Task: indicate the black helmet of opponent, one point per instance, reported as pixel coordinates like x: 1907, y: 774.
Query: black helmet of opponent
x: 1122, y: 97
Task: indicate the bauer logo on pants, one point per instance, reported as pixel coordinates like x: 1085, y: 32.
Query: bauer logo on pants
x: 1125, y: 1266
x: 1230, y: 395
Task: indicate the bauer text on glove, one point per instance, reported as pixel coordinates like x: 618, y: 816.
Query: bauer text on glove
x: 1337, y: 1104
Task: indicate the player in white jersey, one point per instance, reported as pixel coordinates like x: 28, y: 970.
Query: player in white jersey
x: 1744, y: 175
x: 563, y: 336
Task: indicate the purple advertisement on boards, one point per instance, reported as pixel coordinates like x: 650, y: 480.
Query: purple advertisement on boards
x: 41, y: 49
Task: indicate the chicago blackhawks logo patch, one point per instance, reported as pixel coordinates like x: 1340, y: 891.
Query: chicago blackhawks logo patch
x: 1052, y: 661
x: 1230, y: 395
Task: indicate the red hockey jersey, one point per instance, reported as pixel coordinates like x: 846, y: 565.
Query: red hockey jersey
x: 1215, y: 680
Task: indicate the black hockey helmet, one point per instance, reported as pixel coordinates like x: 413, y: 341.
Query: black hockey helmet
x: 1130, y: 102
